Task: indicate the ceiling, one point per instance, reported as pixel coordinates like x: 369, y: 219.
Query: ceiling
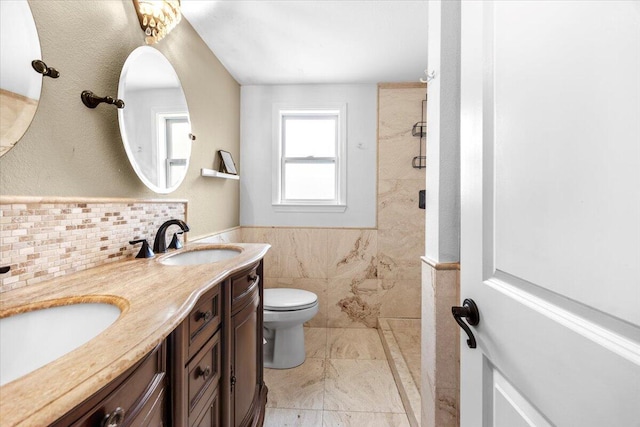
x: 263, y: 42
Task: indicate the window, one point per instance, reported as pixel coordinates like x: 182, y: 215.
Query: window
x: 311, y: 159
x: 174, y: 148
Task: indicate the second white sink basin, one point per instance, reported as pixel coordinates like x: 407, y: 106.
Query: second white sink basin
x: 201, y: 256
x: 32, y: 339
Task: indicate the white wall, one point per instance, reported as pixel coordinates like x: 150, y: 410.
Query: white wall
x: 256, y: 154
x: 442, y: 228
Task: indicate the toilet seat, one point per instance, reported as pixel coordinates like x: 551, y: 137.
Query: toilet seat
x: 285, y: 299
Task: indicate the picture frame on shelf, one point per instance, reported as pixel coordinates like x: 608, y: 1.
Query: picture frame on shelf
x: 227, y: 164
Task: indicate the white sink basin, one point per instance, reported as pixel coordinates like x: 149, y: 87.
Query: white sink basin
x: 201, y: 256
x: 32, y: 339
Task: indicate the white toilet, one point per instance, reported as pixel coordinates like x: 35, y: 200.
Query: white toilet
x: 285, y: 311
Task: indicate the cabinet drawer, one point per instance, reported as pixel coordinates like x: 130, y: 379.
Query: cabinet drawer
x: 210, y: 416
x: 142, y: 391
x: 243, y: 284
x: 204, y: 321
x: 203, y: 375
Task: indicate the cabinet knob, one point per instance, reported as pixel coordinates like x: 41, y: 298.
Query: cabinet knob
x: 114, y: 419
x: 204, y: 373
x: 253, y: 277
x: 206, y: 316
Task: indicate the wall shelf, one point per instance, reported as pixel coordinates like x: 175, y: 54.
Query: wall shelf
x: 216, y: 174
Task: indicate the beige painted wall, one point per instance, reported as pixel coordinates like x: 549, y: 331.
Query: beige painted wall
x: 70, y: 150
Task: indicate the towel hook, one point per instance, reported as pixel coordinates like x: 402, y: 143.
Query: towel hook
x: 44, y: 69
x: 91, y: 100
x: 430, y: 76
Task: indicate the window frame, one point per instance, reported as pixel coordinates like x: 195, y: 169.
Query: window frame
x: 163, y: 119
x: 280, y: 113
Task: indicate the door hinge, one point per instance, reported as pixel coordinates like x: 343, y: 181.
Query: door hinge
x: 233, y: 380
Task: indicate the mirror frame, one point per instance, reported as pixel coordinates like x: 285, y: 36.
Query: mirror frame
x: 126, y: 139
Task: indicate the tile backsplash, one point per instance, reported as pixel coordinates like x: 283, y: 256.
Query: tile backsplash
x: 42, y: 238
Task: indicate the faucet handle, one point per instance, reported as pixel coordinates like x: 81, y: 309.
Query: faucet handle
x: 175, y: 242
x: 145, y: 250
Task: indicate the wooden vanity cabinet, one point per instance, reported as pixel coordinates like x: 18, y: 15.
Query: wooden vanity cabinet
x: 139, y: 397
x: 245, y: 394
x: 207, y: 373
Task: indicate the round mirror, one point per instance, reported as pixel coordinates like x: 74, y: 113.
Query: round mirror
x: 20, y: 84
x: 154, y: 122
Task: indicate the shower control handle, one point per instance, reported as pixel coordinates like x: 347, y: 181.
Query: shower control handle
x: 469, y: 311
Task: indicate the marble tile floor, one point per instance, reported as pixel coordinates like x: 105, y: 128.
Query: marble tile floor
x: 345, y: 381
x: 401, y: 342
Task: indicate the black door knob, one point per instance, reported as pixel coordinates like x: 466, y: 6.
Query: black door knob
x: 469, y: 310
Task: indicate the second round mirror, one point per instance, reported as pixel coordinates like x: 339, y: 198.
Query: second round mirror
x: 154, y: 124
x: 20, y: 84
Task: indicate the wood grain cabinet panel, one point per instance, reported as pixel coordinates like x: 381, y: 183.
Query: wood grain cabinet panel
x: 203, y: 376
x: 243, y: 283
x: 204, y: 320
x: 139, y: 395
x: 210, y: 417
x: 244, y: 391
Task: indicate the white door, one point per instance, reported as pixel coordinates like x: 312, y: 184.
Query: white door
x: 550, y: 246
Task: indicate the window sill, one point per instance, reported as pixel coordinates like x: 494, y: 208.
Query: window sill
x: 292, y: 207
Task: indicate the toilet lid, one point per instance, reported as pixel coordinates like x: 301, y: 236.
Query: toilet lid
x: 284, y: 299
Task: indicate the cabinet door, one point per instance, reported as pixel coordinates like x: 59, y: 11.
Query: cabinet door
x: 244, y: 356
x: 138, y: 395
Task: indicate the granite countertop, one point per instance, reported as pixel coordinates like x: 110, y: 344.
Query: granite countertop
x: 154, y: 300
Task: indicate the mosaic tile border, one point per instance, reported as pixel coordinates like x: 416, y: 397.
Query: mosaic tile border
x: 46, y: 237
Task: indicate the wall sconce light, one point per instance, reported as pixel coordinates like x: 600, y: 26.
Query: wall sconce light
x: 157, y: 17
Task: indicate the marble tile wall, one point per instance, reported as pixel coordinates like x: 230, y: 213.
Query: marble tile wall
x: 230, y: 235
x: 43, y: 238
x: 399, y: 108
x: 400, y: 221
x: 362, y: 274
x: 440, y: 388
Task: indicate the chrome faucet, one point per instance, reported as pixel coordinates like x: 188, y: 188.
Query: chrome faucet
x: 160, y: 242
